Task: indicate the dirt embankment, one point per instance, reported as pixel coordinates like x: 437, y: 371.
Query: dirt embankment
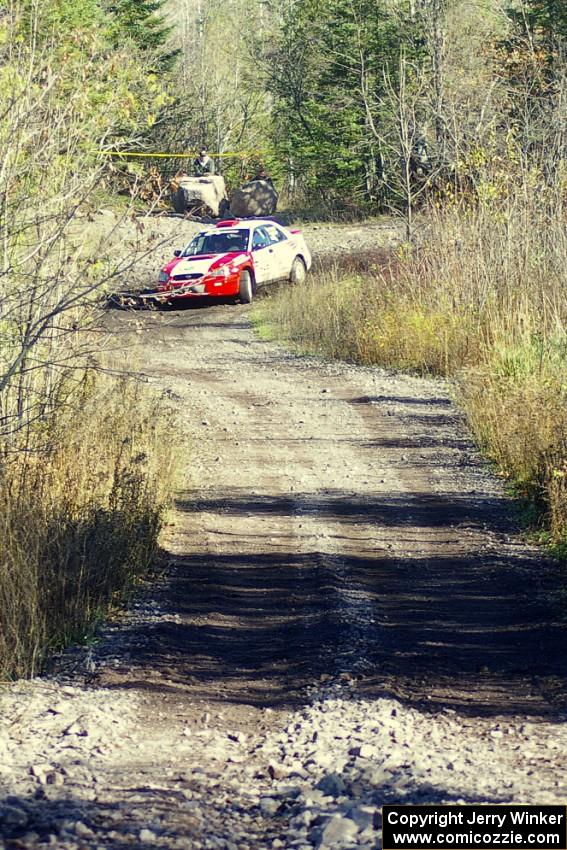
x: 346, y: 617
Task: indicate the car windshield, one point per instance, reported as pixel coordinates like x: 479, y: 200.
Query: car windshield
x: 217, y: 242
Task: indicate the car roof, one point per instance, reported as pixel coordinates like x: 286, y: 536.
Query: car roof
x: 238, y: 224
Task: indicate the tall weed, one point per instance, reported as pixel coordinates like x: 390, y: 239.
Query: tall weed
x: 80, y: 512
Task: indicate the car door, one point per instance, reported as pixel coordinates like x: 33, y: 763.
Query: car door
x: 281, y: 253
x: 262, y: 251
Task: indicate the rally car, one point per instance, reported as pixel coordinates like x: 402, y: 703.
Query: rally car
x: 233, y: 259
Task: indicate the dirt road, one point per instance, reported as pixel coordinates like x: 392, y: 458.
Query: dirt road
x: 347, y: 617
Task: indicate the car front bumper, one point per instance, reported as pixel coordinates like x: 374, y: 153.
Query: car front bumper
x: 209, y: 287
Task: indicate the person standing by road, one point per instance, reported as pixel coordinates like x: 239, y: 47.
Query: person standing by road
x: 203, y: 166
x: 261, y: 174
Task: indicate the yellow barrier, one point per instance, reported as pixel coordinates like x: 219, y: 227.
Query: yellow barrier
x: 186, y: 155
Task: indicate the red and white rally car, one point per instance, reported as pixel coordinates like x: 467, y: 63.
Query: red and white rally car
x: 233, y: 259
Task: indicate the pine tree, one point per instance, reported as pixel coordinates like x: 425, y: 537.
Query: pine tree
x: 327, y: 72
x: 142, y: 22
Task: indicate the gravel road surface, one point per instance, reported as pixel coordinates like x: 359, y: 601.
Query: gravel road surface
x: 345, y: 616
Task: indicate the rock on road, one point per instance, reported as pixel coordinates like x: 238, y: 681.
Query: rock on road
x: 347, y: 618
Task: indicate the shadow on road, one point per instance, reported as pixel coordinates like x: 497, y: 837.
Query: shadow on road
x: 415, y: 509
x: 259, y: 621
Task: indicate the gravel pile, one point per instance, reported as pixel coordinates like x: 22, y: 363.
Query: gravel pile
x: 343, y: 757
x: 54, y: 739
x: 82, y: 773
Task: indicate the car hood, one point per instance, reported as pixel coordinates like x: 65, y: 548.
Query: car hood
x: 202, y: 263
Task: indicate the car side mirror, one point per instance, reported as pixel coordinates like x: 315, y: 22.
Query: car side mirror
x: 177, y: 253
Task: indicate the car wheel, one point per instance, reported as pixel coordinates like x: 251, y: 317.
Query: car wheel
x: 298, y: 271
x: 245, y: 290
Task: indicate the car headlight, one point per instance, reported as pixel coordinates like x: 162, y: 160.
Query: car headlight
x: 163, y: 277
x: 222, y: 272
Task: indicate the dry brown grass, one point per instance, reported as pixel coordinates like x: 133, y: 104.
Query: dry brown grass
x: 80, y: 511
x: 483, y: 301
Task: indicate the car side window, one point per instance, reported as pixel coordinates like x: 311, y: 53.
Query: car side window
x: 260, y: 239
x: 274, y: 234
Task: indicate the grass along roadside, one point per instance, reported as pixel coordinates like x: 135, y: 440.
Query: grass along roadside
x: 80, y: 514
x: 484, y: 303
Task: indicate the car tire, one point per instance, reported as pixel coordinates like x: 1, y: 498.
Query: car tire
x: 298, y: 271
x: 245, y: 288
